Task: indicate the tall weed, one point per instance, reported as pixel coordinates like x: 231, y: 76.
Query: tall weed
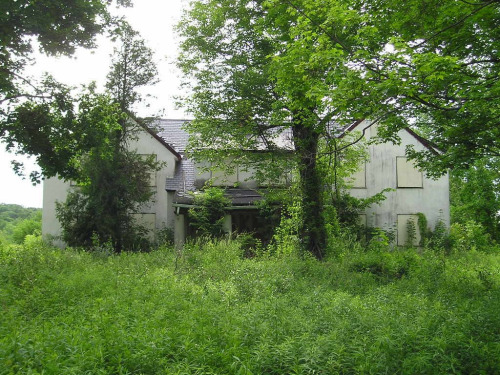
x: 208, y: 309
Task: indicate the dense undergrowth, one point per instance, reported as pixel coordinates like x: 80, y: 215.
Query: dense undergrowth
x: 208, y: 310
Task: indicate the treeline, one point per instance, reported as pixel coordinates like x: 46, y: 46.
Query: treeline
x: 16, y: 222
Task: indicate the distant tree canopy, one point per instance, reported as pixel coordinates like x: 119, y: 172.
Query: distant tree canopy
x: 16, y: 222
x: 10, y: 213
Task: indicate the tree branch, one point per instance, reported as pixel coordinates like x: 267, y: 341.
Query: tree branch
x: 456, y: 23
x: 332, y: 37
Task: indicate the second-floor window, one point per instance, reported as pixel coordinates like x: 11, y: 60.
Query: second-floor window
x: 407, y: 175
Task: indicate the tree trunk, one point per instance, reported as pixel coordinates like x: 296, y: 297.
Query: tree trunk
x: 312, y: 227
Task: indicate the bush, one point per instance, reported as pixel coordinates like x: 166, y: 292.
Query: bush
x: 207, y: 215
x: 470, y: 236
x: 32, y: 226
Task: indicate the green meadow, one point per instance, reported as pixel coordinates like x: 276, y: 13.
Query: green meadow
x: 207, y: 309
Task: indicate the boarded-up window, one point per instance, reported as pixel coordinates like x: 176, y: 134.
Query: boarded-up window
x: 408, y: 230
x: 408, y: 176
x: 148, y: 221
x: 358, y: 178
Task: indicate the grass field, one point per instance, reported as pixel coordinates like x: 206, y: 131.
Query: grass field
x: 207, y: 310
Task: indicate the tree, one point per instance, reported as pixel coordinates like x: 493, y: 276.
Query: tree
x: 59, y: 132
x: 84, y: 138
x: 256, y: 71
x: 475, y: 197
x: 443, y: 71
x: 131, y: 68
x: 101, y: 209
x: 58, y: 27
x: 40, y: 119
x: 257, y: 67
x: 115, y: 180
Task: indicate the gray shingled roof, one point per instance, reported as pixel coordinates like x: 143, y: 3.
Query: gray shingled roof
x: 172, y: 131
x: 183, y: 179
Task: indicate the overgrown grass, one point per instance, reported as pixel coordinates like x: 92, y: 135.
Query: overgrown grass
x: 207, y: 310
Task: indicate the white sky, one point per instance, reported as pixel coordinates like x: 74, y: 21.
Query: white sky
x: 154, y: 19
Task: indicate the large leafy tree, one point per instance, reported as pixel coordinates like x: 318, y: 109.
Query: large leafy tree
x: 442, y: 69
x: 260, y: 67
x: 42, y: 119
x: 58, y: 132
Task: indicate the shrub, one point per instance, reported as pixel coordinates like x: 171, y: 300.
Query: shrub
x: 207, y: 215
x: 216, y: 312
x: 32, y: 226
x: 470, y: 236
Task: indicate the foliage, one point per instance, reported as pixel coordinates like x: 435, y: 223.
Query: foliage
x: 258, y: 69
x: 53, y: 27
x: 444, y: 71
x: 27, y: 227
x: 249, y: 87
x: 12, y: 213
x: 102, y: 208
x: 17, y: 222
x: 59, y: 132
x: 475, y: 195
x: 270, y: 211
x: 207, y: 215
x: 439, y: 239
x: 83, y: 138
x: 132, y: 67
x: 411, y: 232
x: 286, y: 237
x: 214, y: 311
x: 470, y: 236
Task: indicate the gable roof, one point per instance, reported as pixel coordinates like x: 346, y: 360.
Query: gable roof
x: 160, y: 139
x: 425, y: 142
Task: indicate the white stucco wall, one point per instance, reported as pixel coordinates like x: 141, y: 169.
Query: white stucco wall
x: 145, y: 144
x: 432, y: 198
x: 159, y: 211
x: 54, y: 190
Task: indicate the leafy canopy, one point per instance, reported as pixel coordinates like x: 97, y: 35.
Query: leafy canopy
x: 55, y: 27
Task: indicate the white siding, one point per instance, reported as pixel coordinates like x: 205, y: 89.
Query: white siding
x: 431, y: 197
x: 358, y: 179
x: 408, y: 176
